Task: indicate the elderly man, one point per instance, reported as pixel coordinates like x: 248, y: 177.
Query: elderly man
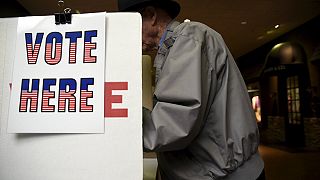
x: 202, y: 125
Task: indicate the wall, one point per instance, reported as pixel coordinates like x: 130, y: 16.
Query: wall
x: 312, y: 132
x: 275, y: 133
x: 252, y: 63
x: 307, y: 35
x: 11, y: 8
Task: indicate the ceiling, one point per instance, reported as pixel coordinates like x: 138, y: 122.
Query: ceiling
x: 244, y: 24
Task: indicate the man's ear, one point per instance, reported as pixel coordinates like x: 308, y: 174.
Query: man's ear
x: 151, y: 13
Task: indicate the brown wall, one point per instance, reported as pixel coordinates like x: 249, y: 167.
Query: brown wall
x: 275, y: 128
x: 11, y: 8
x: 306, y: 35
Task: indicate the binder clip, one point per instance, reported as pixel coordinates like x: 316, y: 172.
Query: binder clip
x: 63, y: 17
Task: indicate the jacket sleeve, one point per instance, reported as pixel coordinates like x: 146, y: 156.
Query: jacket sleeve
x: 174, y: 122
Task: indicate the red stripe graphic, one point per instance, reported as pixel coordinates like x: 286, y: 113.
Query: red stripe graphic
x: 32, y: 97
x: 53, y: 50
x: 46, y: 95
x: 32, y: 53
x: 72, y: 55
x: 84, y: 95
x: 87, y: 52
x: 63, y: 97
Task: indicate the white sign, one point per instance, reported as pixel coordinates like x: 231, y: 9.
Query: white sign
x: 58, y: 76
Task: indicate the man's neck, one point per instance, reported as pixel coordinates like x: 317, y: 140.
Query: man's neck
x: 162, y: 29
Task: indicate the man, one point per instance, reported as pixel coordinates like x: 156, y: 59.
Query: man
x: 202, y: 126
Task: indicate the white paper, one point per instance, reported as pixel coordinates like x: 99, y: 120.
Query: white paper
x: 76, y: 118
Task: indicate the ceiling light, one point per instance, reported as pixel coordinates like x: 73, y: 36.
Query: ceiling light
x: 277, y: 26
x: 270, y: 31
x: 244, y: 22
x: 277, y: 46
x: 260, y: 37
x: 253, y: 90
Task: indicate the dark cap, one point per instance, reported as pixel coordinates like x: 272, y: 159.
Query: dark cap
x: 172, y: 7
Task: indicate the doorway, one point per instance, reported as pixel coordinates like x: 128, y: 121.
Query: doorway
x: 284, y: 82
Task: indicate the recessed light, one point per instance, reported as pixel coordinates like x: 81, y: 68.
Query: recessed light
x: 244, y: 22
x: 270, y: 31
x: 260, y: 37
x: 277, y: 26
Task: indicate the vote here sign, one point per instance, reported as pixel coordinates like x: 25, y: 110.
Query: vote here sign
x: 58, y: 76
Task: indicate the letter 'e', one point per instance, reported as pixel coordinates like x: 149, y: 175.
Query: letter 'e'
x: 109, y: 99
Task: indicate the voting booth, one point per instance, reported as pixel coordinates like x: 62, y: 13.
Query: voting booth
x: 71, y: 98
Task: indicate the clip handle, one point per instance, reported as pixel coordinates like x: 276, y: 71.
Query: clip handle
x: 63, y: 17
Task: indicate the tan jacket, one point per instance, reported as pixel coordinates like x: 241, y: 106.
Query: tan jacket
x: 202, y: 125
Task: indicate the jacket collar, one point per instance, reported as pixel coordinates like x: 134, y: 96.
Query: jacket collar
x: 166, y: 36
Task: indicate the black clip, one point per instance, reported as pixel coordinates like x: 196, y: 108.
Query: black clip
x: 63, y: 17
